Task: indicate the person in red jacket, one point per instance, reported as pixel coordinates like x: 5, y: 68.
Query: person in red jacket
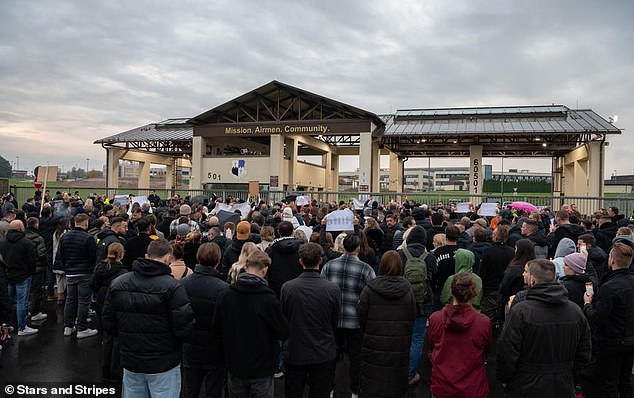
x: 459, y: 340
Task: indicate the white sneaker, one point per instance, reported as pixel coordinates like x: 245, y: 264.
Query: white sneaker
x: 86, y: 333
x: 39, y: 317
x: 27, y: 331
x: 68, y: 331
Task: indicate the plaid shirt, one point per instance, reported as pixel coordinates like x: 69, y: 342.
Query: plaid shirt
x: 351, y: 275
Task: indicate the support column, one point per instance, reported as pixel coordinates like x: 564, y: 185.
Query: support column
x: 396, y: 173
x: 476, y: 171
x: 169, y: 174
x: 365, y: 162
x: 291, y: 151
x: 596, y: 167
x: 112, y: 169
x: 195, y: 178
x: 376, y: 168
x: 144, y: 175
x: 334, y: 173
x: 276, y: 155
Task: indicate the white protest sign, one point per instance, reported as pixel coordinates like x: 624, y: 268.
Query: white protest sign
x: 140, y: 200
x: 358, y: 204
x: 462, y: 207
x: 120, y: 199
x: 488, y: 209
x: 302, y: 201
x: 340, y: 220
x: 244, y: 208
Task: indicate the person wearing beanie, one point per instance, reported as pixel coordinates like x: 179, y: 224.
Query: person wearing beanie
x: 232, y: 252
x: 184, y: 211
x: 575, y: 277
x: 415, y: 246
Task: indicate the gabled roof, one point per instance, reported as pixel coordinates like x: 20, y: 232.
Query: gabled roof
x: 276, y: 101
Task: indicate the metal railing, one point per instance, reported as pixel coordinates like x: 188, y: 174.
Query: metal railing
x: 585, y: 205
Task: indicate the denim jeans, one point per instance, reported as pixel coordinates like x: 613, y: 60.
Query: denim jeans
x: 78, y: 295
x: 152, y: 385
x: 416, y: 347
x: 21, y: 290
x: 250, y: 388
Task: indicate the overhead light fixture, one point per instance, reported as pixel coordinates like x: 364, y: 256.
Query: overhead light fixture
x: 537, y: 139
x: 544, y: 144
x: 455, y: 141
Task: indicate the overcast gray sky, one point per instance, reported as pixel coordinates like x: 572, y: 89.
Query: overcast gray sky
x: 72, y: 72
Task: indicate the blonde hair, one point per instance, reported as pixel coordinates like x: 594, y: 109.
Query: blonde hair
x: 246, y: 251
x: 439, y: 240
x: 339, y: 242
x: 115, y: 253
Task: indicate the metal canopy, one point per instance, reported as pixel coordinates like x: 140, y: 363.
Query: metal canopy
x: 172, y: 137
x: 551, y: 130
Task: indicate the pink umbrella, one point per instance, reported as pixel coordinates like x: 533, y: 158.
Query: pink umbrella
x: 524, y: 206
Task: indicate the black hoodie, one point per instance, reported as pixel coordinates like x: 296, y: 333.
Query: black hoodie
x: 19, y: 256
x: 251, y: 323
x: 102, y: 277
x: 284, y: 253
x: 571, y: 231
x: 546, y: 337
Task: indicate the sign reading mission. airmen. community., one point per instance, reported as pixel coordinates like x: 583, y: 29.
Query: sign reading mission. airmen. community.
x: 334, y: 127
x: 318, y: 129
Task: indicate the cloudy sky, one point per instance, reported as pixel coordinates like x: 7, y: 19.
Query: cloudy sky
x: 72, y: 72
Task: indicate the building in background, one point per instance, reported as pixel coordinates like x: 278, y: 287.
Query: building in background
x: 446, y: 178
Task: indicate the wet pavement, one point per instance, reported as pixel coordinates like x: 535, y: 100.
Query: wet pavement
x: 50, y: 357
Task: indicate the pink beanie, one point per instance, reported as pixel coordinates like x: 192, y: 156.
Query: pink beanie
x: 576, y: 262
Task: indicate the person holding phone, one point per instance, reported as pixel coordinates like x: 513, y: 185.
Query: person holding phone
x: 610, y: 313
x: 575, y: 277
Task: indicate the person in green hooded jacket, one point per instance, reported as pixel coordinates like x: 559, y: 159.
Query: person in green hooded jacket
x: 464, y: 263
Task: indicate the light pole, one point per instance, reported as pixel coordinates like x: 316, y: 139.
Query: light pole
x: 17, y: 163
x: 87, y: 165
x: 502, y: 181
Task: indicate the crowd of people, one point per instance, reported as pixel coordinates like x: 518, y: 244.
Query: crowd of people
x: 187, y: 301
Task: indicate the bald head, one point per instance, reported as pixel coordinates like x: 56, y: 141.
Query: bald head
x: 16, y: 225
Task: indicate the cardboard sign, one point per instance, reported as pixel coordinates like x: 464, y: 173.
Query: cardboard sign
x: 254, y: 188
x: 462, y: 207
x: 340, y: 220
x: 488, y: 209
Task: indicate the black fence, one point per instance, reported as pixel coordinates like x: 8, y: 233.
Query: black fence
x: 585, y: 205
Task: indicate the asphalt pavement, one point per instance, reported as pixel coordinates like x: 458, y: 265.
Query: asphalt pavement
x: 48, y: 357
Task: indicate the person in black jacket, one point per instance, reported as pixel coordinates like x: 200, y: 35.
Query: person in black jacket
x: 234, y: 247
x: 545, y: 340
x: 596, y: 256
x: 251, y: 324
x: 150, y: 313
x: 76, y: 255
x: 611, y: 316
x: 203, y: 361
x: 284, y: 258
x: 137, y: 246
x: 493, y: 264
x: 19, y: 255
x: 387, y: 309
x: 480, y: 244
x: 575, y: 278
x: 116, y: 233
x: 605, y: 232
x: 563, y: 229
x: 312, y: 305
x: 513, y: 279
x: 105, y: 272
